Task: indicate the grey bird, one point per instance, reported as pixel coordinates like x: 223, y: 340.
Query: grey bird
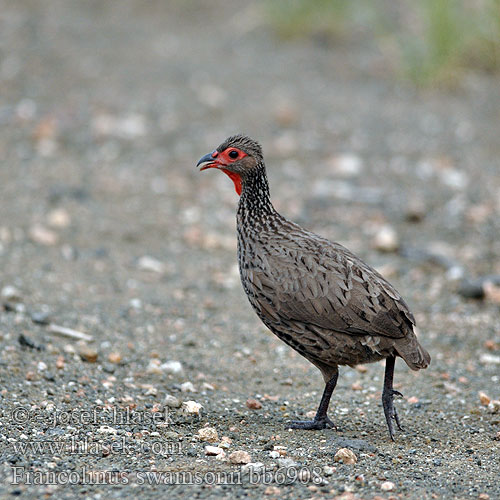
x: 314, y: 294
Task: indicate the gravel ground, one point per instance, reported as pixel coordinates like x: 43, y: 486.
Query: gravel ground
x: 107, y: 229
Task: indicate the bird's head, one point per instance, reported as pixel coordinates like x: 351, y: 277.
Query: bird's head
x: 237, y: 156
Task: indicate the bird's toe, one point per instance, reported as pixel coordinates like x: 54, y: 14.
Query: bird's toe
x: 316, y: 424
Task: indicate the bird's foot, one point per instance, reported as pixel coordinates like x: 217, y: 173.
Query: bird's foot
x: 316, y: 424
x: 390, y: 411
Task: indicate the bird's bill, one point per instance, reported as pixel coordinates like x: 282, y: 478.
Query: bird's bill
x: 207, y: 161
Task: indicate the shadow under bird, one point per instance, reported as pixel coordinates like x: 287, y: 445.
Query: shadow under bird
x: 314, y: 294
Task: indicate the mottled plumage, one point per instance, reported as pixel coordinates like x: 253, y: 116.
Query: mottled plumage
x: 314, y: 294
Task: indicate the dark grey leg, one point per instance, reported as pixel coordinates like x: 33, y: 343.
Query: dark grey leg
x: 321, y: 420
x: 388, y: 396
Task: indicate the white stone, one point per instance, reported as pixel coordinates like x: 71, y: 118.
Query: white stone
x: 11, y: 293
x: 171, y: 366
x: 187, y: 387
x: 208, y: 434
x: 346, y: 165
x: 252, y: 467
x: 489, y: 359
x: 346, y: 456
x: 148, y: 263
x: 387, y: 486
x: 386, y: 239
x: 240, y: 457
x: 191, y: 407
x: 172, y: 401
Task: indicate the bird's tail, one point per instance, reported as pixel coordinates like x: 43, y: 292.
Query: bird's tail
x: 415, y: 356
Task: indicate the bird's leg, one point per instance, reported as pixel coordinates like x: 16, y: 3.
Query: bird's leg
x: 321, y: 420
x: 388, y: 396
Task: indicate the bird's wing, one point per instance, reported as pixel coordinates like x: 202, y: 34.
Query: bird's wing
x: 315, y: 281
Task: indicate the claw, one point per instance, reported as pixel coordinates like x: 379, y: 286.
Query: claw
x: 316, y: 424
x: 390, y: 412
x: 396, y: 418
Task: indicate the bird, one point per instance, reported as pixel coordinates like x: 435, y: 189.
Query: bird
x: 314, y: 294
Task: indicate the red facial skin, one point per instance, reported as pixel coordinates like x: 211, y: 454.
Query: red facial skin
x: 222, y: 160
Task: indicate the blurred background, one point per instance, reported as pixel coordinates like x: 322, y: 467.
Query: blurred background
x: 371, y: 117
x: 380, y: 124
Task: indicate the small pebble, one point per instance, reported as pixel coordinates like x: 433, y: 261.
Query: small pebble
x: 328, y: 470
x: 27, y: 342
x: 346, y: 165
x: 484, y: 398
x: 208, y: 434
x: 69, y: 348
x: 171, y: 435
x: 491, y: 345
x: 287, y: 462
x: 43, y: 236
x: 114, y: 357
x: 387, y: 486
x: 225, y: 442
x: 494, y: 406
x: 346, y: 456
x: 58, y: 218
x: 415, y: 211
x: 187, y: 387
x: 489, y: 359
x: 153, y: 366
x: 108, y: 368
x: 172, y: 401
x: 11, y: 294
x: 171, y: 366
x: 240, y: 457
x: 386, y: 239
x: 40, y: 318
x: 191, y: 407
x: 106, y: 429
x: 147, y: 263
x: 151, y: 391
x: 491, y: 292
x: 88, y: 354
x: 213, y: 450
x: 252, y: 466
x: 253, y: 404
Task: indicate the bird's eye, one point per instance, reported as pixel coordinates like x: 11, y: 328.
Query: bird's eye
x: 233, y: 154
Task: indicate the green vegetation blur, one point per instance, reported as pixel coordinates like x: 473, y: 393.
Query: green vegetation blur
x: 429, y: 42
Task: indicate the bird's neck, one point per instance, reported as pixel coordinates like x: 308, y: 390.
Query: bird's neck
x: 255, y: 199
